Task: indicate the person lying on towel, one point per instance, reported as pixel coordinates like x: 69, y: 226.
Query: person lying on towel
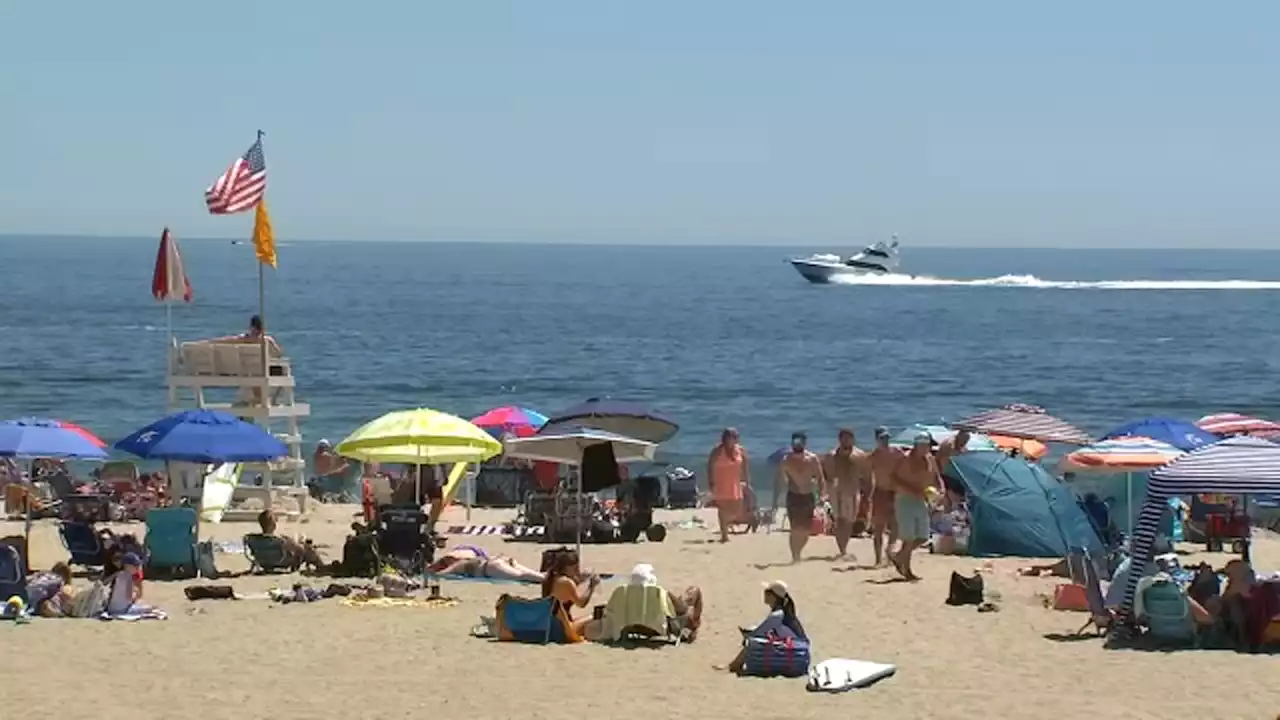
x: 470, y: 561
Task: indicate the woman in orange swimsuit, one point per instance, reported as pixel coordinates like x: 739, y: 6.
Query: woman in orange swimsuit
x: 728, y: 472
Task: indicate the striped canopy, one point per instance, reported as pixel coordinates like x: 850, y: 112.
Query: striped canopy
x: 1237, y: 424
x: 1124, y: 454
x: 1235, y: 466
x: 1024, y: 421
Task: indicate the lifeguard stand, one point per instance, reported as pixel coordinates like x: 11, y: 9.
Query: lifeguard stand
x: 229, y: 375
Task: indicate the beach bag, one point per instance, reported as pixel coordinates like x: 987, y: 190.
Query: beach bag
x: 775, y: 656
x: 965, y: 590
x: 358, y: 556
x: 1168, y: 612
x: 204, y: 560
x: 1070, y: 596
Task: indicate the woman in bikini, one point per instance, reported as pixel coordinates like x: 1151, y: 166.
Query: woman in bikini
x: 471, y: 561
x: 728, y: 472
x: 565, y: 583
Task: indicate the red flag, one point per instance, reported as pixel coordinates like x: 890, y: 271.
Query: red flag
x: 170, y: 281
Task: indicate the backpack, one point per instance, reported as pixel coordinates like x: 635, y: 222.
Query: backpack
x: 1167, y: 612
x: 966, y: 590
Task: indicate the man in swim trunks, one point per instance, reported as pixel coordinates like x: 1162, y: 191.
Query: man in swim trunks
x: 884, y: 460
x: 801, y: 473
x: 912, y: 478
x: 848, y: 473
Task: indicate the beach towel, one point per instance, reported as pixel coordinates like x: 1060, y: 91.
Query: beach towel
x: 515, y: 531
x: 841, y: 675
x: 647, y: 608
x: 360, y: 601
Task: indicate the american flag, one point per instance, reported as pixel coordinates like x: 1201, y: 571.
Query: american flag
x: 242, y: 186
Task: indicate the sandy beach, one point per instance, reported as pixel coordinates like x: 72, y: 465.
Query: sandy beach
x: 255, y: 659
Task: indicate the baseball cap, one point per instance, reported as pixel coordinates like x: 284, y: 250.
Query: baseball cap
x: 778, y: 588
x: 922, y: 438
x: 131, y: 559
x: 882, y: 432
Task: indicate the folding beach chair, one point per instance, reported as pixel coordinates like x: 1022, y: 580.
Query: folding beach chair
x: 266, y: 553
x: 13, y: 576
x: 540, y: 621
x: 403, y: 540
x: 171, y: 542
x: 83, y: 544
x: 1101, y: 619
x: 640, y: 612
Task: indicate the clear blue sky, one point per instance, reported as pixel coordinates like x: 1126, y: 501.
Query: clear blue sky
x: 1148, y: 123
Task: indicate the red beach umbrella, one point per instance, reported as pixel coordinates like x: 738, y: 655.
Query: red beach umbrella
x: 1237, y: 424
x: 169, y: 282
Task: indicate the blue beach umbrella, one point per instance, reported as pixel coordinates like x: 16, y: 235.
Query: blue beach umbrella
x: 1181, y: 434
x: 203, y: 436
x: 38, y: 438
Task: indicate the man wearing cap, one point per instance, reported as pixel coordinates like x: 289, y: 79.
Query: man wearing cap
x: 913, y: 477
x: 884, y: 461
x: 848, y: 473
x: 800, y: 472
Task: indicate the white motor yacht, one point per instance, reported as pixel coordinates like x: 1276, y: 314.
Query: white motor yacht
x: 877, y: 259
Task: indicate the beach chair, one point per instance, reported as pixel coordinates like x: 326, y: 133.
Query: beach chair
x: 1166, y: 612
x: 1101, y: 619
x: 19, y: 543
x: 266, y: 553
x: 402, y: 540
x: 641, y: 612
x: 13, y: 576
x: 171, y: 542
x: 540, y: 621
x: 83, y: 544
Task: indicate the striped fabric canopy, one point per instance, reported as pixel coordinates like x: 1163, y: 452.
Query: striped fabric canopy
x: 1122, y: 454
x: 1235, y: 466
x: 1024, y: 421
x: 1237, y: 424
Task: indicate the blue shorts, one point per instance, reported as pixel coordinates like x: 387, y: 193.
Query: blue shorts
x: 912, y: 514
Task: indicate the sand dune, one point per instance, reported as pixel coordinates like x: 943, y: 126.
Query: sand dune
x: 252, y: 659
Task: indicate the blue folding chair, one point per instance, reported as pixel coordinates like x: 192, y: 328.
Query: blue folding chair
x: 13, y: 576
x: 171, y: 542
x: 83, y: 543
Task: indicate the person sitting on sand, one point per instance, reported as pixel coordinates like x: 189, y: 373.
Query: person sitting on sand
x: 782, y: 622
x: 46, y: 591
x: 298, y: 554
x: 565, y: 583
x: 469, y: 561
x: 687, y: 607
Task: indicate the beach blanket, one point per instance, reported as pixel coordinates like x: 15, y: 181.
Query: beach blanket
x: 135, y: 613
x: 399, y: 602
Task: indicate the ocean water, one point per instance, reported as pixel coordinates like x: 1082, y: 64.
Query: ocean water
x: 714, y: 336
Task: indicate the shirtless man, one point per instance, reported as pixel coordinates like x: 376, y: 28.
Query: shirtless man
x: 917, y: 472
x: 848, y: 473
x: 949, y: 448
x: 801, y: 473
x: 884, y: 460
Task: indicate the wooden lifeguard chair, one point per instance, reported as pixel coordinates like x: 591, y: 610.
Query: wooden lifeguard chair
x: 229, y: 375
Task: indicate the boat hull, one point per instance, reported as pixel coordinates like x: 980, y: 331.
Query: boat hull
x: 822, y: 273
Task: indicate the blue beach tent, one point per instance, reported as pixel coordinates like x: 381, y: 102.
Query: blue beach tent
x: 1017, y: 508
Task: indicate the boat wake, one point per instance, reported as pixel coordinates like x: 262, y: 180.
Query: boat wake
x: 1031, y: 281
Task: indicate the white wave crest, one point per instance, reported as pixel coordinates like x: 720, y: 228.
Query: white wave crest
x: 1031, y: 281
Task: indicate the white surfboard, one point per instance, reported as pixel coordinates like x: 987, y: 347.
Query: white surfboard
x: 219, y: 486
x: 839, y: 675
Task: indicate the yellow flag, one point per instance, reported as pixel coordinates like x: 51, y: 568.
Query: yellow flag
x: 264, y: 242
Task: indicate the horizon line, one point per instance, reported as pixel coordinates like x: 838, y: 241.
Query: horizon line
x: 630, y: 243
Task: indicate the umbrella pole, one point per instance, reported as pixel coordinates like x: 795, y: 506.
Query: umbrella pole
x: 168, y: 348
x: 471, y: 490
x: 577, y: 511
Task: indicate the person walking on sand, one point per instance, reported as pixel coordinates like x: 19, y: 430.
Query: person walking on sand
x: 913, y: 477
x: 728, y: 473
x: 884, y: 462
x: 800, y: 472
x: 848, y: 474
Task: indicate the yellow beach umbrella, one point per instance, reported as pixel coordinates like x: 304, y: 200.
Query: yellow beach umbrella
x: 419, y: 437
